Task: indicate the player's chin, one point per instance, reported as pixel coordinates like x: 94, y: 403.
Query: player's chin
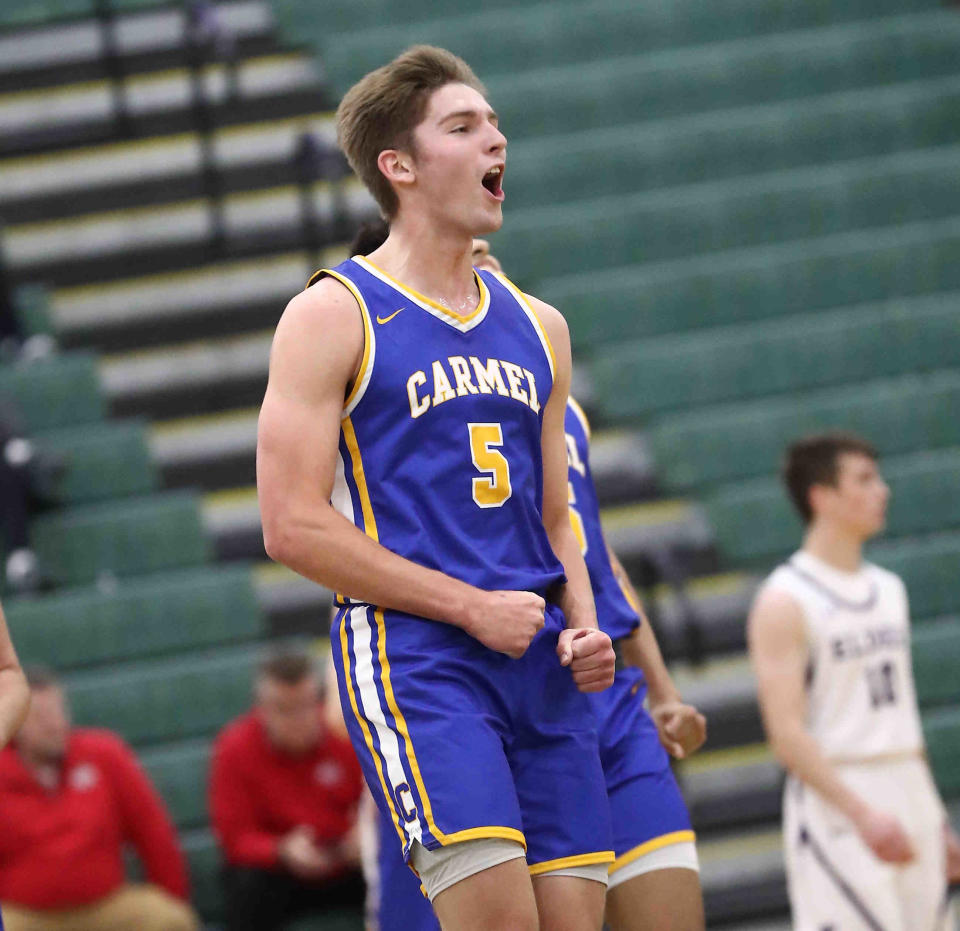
x: 489, y: 221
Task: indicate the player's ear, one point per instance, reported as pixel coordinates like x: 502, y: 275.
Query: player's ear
x: 396, y: 166
x: 818, y: 496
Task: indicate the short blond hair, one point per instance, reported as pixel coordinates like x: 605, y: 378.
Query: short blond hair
x: 382, y: 109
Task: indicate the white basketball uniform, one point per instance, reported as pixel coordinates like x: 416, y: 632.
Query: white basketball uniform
x: 862, y: 711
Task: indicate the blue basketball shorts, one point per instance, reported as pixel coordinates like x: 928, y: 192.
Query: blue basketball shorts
x: 646, y: 807
x: 459, y: 742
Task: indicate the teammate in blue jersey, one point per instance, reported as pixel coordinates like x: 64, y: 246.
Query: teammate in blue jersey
x: 654, y: 881
x: 412, y: 456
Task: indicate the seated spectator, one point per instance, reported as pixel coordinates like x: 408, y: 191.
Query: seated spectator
x: 283, y: 796
x: 69, y: 800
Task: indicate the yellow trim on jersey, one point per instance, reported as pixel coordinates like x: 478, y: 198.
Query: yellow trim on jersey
x: 363, y: 373
x: 478, y: 833
x: 416, y: 295
x: 368, y: 739
x: 366, y: 507
x: 628, y: 594
x: 521, y: 299
x: 565, y: 863
x: 664, y: 840
x: 581, y: 416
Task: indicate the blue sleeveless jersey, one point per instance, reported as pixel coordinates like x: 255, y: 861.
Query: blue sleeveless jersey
x: 615, y: 613
x: 440, y: 456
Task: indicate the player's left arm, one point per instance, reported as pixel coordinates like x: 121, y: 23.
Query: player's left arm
x: 681, y: 727
x: 582, y: 646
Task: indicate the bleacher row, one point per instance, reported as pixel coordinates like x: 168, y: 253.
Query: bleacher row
x: 746, y: 209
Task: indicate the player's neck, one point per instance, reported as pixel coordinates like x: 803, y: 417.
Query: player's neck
x: 835, y: 548
x: 430, y: 261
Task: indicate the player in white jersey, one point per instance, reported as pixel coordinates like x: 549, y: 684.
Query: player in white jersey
x: 866, y: 837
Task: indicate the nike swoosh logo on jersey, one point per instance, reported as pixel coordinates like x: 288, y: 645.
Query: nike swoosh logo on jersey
x: 388, y: 319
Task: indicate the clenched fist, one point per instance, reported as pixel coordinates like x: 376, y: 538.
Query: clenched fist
x: 506, y: 621
x: 681, y: 728
x: 589, y: 654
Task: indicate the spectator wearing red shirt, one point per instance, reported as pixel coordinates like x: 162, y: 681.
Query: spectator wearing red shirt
x: 70, y: 798
x: 283, y: 796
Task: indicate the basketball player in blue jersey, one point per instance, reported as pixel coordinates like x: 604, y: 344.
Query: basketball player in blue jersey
x: 654, y: 882
x: 412, y: 456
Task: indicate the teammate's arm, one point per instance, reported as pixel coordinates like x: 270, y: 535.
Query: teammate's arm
x: 681, y: 727
x: 778, y: 650
x: 14, y: 691
x: 582, y: 646
x: 316, y: 355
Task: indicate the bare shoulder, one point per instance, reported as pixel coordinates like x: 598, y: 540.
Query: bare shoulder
x: 311, y: 313
x: 775, y: 617
x: 551, y: 318
x: 319, y: 338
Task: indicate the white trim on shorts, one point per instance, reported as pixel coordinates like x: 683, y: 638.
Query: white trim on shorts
x: 679, y: 856
x: 440, y: 869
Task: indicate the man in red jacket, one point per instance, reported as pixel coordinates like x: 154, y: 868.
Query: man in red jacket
x: 283, y: 798
x: 70, y: 798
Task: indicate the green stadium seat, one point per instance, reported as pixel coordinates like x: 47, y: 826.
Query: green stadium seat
x: 144, y: 617
x: 617, y: 230
x: 59, y: 392
x: 541, y: 34
x: 29, y: 12
x: 936, y: 659
x: 787, y: 66
x: 166, y: 699
x: 121, y: 538
x: 737, y: 441
x: 928, y: 566
x: 678, y: 20
x: 759, y: 282
x: 753, y: 520
x: 180, y: 775
x: 924, y: 492
x: 636, y: 379
x: 109, y: 460
x: 31, y: 304
x: 204, y: 861
x: 731, y: 143
x: 942, y: 731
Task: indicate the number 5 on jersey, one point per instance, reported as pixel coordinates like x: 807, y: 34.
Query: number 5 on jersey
x: 492, y: 488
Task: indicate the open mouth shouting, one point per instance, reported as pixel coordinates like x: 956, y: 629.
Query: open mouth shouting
x: 492, y: 181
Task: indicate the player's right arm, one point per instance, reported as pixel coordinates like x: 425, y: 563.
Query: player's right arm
x: 315, y: 357
x: 778, y: 650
